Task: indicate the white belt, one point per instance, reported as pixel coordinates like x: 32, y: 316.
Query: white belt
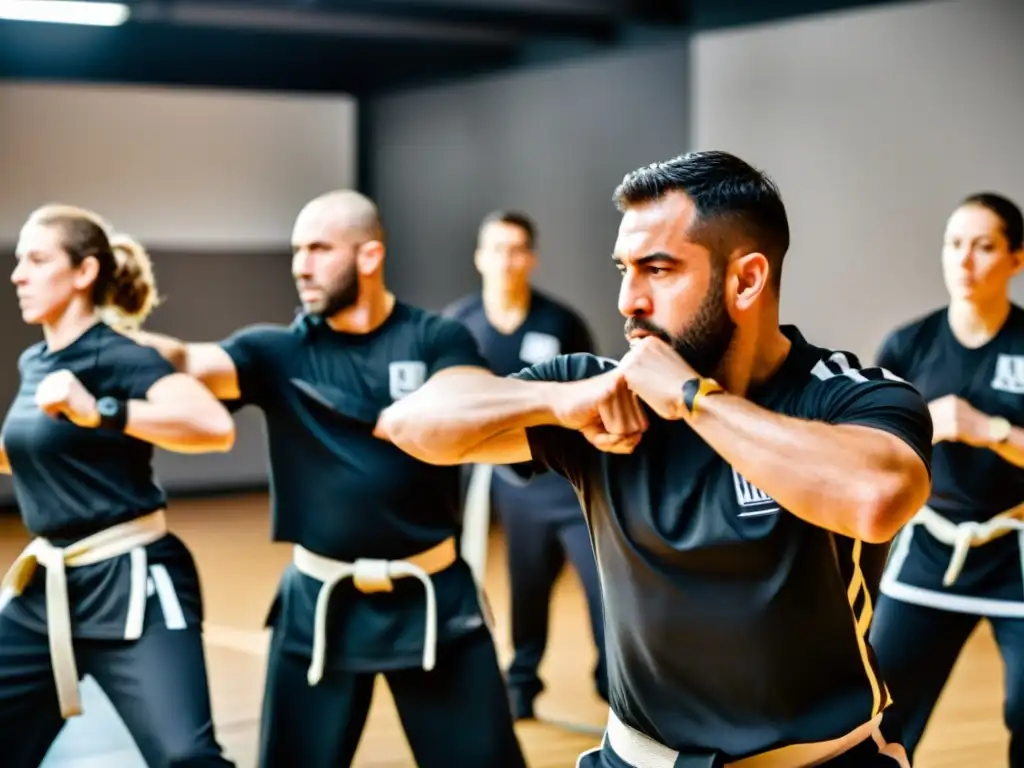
x: 129, y: 538
x: 641, y: 751
x: 372, y: 576
x: 963, y: 536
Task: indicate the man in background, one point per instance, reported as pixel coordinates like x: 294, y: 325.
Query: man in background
x: 516, y: 326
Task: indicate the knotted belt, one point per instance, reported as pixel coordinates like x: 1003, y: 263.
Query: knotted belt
x: 641, y: 751
x: 964, y: 536
x: 130, y: 538
x: 372, y: 576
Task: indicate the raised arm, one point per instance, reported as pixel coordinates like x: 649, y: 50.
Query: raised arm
x: 208, y: 362
x: 465, y: 415
x: 468, y: 415
x: 181, y: 415
x: 859, y: 465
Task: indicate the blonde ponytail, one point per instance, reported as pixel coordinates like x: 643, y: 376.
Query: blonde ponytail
x: 132, y: 294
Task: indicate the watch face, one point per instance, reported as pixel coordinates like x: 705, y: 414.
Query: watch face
x: 999, y: 429
x: 107, y: 406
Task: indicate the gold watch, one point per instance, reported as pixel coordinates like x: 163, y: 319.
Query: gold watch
x: 998, y: 429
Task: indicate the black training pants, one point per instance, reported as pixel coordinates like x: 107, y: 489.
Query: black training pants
x: 916, y: 648
x: 157, y: 684
x: 537, y: 551
x: 455, y: 716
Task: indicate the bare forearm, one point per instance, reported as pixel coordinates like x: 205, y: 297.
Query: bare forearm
x: 447, y: 417
x: 181, y: 427
x: 173, y: 350
x: 846, y: 479
x: 1012, y: 449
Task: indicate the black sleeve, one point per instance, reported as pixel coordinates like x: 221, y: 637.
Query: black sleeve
x: 138, y: 368
x: 578, y: 337
x: 564, y: 451
x: 450, y: 344
x: 873, y: 400
x: 251, y: 350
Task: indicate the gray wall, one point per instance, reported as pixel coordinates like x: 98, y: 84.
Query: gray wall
x: 552, y: 141
x: 874, y: 123
x: 209, y: 181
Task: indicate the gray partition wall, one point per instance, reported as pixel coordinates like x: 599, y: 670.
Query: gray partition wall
x: 875, y: 123
x: 210, y: 181
x: 553, y: 141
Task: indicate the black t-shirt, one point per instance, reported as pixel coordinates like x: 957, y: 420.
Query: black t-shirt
x: 341, y: 492
x: 70, y: 482
x: 729, y: 626
x: 970, y: 483
x: 550, y: 328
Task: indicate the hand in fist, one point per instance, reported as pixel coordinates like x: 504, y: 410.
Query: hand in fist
x: 604, y: 410
x: 957, y: 421
x: 61, y: 393
x: 655, y: 373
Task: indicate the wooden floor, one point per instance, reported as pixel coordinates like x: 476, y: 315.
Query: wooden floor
x: 240, y: 570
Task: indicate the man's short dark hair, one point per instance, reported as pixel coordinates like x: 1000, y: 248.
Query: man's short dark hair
x: 737, y: 206
x: 1005, y: 209
x: 515, y: 218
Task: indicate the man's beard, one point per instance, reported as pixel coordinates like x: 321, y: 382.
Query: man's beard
x: 707, y: 338
x: 342, y: 296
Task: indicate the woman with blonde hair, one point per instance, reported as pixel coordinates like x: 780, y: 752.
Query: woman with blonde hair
x: 103, y: 588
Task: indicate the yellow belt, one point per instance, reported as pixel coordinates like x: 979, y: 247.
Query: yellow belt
x: 129, y: 538
x: 372, y: 576
x: 963, y: 536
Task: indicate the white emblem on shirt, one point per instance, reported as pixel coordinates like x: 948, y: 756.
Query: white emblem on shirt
x: 752, y: 500
x: 1009, y: 375
x: 538, y: 347
x: 405, y: 377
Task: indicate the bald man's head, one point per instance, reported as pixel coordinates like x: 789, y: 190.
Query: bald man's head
x: 337, y: 243
x: 342, y: 214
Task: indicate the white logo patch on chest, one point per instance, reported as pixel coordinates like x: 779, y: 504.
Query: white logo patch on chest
x: 538, y: 347
x: 405, y: 377
x: 1009, y: 375
x: 752, y: 500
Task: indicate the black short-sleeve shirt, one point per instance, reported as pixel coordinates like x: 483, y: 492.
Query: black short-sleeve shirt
x: 729, y: 626
x: 341, y: 492
x: 71, y: 481
x: 970, y: 483
x: 550, y: 328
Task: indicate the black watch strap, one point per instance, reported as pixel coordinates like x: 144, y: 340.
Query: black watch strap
x: 113, y: 413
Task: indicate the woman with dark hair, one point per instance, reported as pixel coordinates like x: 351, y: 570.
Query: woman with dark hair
x: 103, y: 588
x: 960, y: 558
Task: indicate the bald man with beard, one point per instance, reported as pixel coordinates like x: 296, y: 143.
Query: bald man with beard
x: 376, y: 584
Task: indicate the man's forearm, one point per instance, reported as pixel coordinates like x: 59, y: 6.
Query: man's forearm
x: 173, y: 350
x: 448, y: 416
x: 1012, y: 449
x: 847, y: 479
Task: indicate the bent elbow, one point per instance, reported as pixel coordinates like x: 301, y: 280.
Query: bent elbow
x: 415, y: 435
x: 218, y: 432
x: 891, y: 502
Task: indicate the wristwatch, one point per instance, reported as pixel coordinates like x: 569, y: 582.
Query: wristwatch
x: 999, y: 429
x: 696, y: 388
x: 113, y: 413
